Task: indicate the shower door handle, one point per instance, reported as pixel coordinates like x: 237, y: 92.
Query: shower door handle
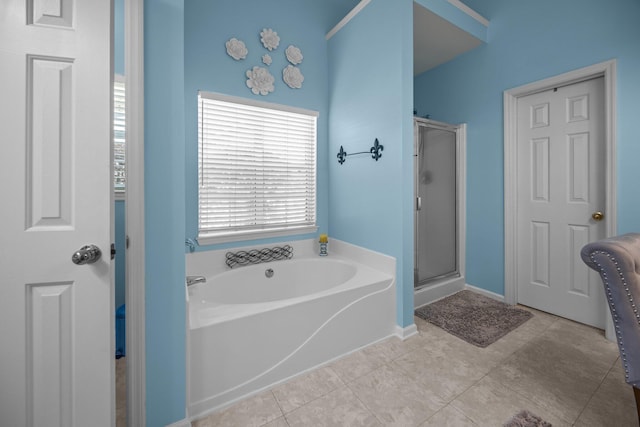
x: 418, y: 203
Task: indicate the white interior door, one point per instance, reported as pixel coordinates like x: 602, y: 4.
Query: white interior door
x: 56, y: 317
x: 561, y: 158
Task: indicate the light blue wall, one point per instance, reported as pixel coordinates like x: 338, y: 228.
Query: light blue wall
x: 185, y: 52
x: 370, y: 82
x: 208, y: 25
x: 527, y: 42
x: 164, y: 180
x: 369, y: 95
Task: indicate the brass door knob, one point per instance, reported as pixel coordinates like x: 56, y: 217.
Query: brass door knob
x: 597, y: 216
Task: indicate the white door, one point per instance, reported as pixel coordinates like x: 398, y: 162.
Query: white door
x: 56, y: 317
x: 561, y: 158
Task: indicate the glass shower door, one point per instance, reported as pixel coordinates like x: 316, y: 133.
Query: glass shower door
x: 436, y: 210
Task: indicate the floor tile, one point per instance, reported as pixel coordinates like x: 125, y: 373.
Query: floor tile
x: 279, y: 422
x: 612, y: 404
x: 449, y: 416
x: 489, y: 403
x: 584, y: 339
x: 447, y: 375
x: 121, y: 392
x: 555, y: 373
x: 421, y: 324
x: 339, y: 408
x: 395, y: 398
x: 304, y: 389
x: 394, y: 347
x: 253, y: 412
x: 358, y: 364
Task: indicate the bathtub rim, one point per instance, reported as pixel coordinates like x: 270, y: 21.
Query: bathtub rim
x: 361, y: 278
x: 277, y: 265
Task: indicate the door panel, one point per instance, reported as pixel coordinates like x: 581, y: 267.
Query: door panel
x: 56, y: 318
x: 436, y: 217
x: 561, y: 159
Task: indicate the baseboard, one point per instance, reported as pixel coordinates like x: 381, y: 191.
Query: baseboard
x: 406, y: 332
x: 484, y: 292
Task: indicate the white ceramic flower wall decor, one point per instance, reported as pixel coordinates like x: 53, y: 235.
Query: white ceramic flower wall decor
x: 293, y: 55
x: 269, y: 38
x: 260, y: 80
x: 236, y: 49
x: 292, y: 76
x: 266, y: 59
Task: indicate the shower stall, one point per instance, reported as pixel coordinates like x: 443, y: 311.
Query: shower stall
x: 439, y: 213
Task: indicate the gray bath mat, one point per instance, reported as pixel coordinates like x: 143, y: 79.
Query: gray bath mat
x: 526, y: 419
x: 477, y: 319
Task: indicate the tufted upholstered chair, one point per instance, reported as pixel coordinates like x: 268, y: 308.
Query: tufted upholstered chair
x: 617, y: 259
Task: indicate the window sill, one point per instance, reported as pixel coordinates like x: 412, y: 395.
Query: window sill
x: 240, y: 236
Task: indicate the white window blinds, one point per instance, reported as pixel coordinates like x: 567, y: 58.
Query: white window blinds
x: 119, y: 132
x: 257, y: 168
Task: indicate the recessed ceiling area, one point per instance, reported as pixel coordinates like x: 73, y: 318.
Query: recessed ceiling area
x: 436, y: 40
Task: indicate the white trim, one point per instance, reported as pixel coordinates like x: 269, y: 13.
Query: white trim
x: 606, y: 69
x: 347, y: 18
x: 255, y: 103
x: 484, y: 292
x: 135, y: 254
x: 472, y: 13
x: 461, y: 140
x: 240, y: 236
x: 406, y: 332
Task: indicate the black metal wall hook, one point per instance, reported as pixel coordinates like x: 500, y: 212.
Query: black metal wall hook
x: 374, y: 151
x: 341, y: 155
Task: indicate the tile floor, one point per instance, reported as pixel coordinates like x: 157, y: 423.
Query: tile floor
x: 121, y: 392
x: 564, y: 372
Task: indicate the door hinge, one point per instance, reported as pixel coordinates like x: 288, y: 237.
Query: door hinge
x: 113, y: 250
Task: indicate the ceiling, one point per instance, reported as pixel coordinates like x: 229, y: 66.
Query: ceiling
x: 436, y: 40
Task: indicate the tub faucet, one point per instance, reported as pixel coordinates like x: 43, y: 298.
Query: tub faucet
x: 192, y: 280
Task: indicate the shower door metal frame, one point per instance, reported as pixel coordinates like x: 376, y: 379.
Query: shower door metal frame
x: 453, y: 281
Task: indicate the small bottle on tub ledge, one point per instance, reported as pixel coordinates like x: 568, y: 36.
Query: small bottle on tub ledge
x: 324, y: 239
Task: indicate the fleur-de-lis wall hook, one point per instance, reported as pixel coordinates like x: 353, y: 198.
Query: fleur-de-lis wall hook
x: 374, y: 151
x: 341, y: 155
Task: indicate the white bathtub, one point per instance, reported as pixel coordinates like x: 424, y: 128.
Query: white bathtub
x: 248, y: 332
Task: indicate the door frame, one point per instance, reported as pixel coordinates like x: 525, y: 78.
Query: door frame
x: 448, y: 285
x: 605, y: 69
x: 134, y: 213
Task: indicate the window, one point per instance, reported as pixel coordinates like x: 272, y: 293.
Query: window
x: 119, y: 170
x: 257, y: 169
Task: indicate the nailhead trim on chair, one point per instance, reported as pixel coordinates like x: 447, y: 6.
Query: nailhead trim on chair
x: 605, y: 280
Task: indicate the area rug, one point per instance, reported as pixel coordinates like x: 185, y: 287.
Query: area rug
x: 525, y: 418
x: 477, y: 319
